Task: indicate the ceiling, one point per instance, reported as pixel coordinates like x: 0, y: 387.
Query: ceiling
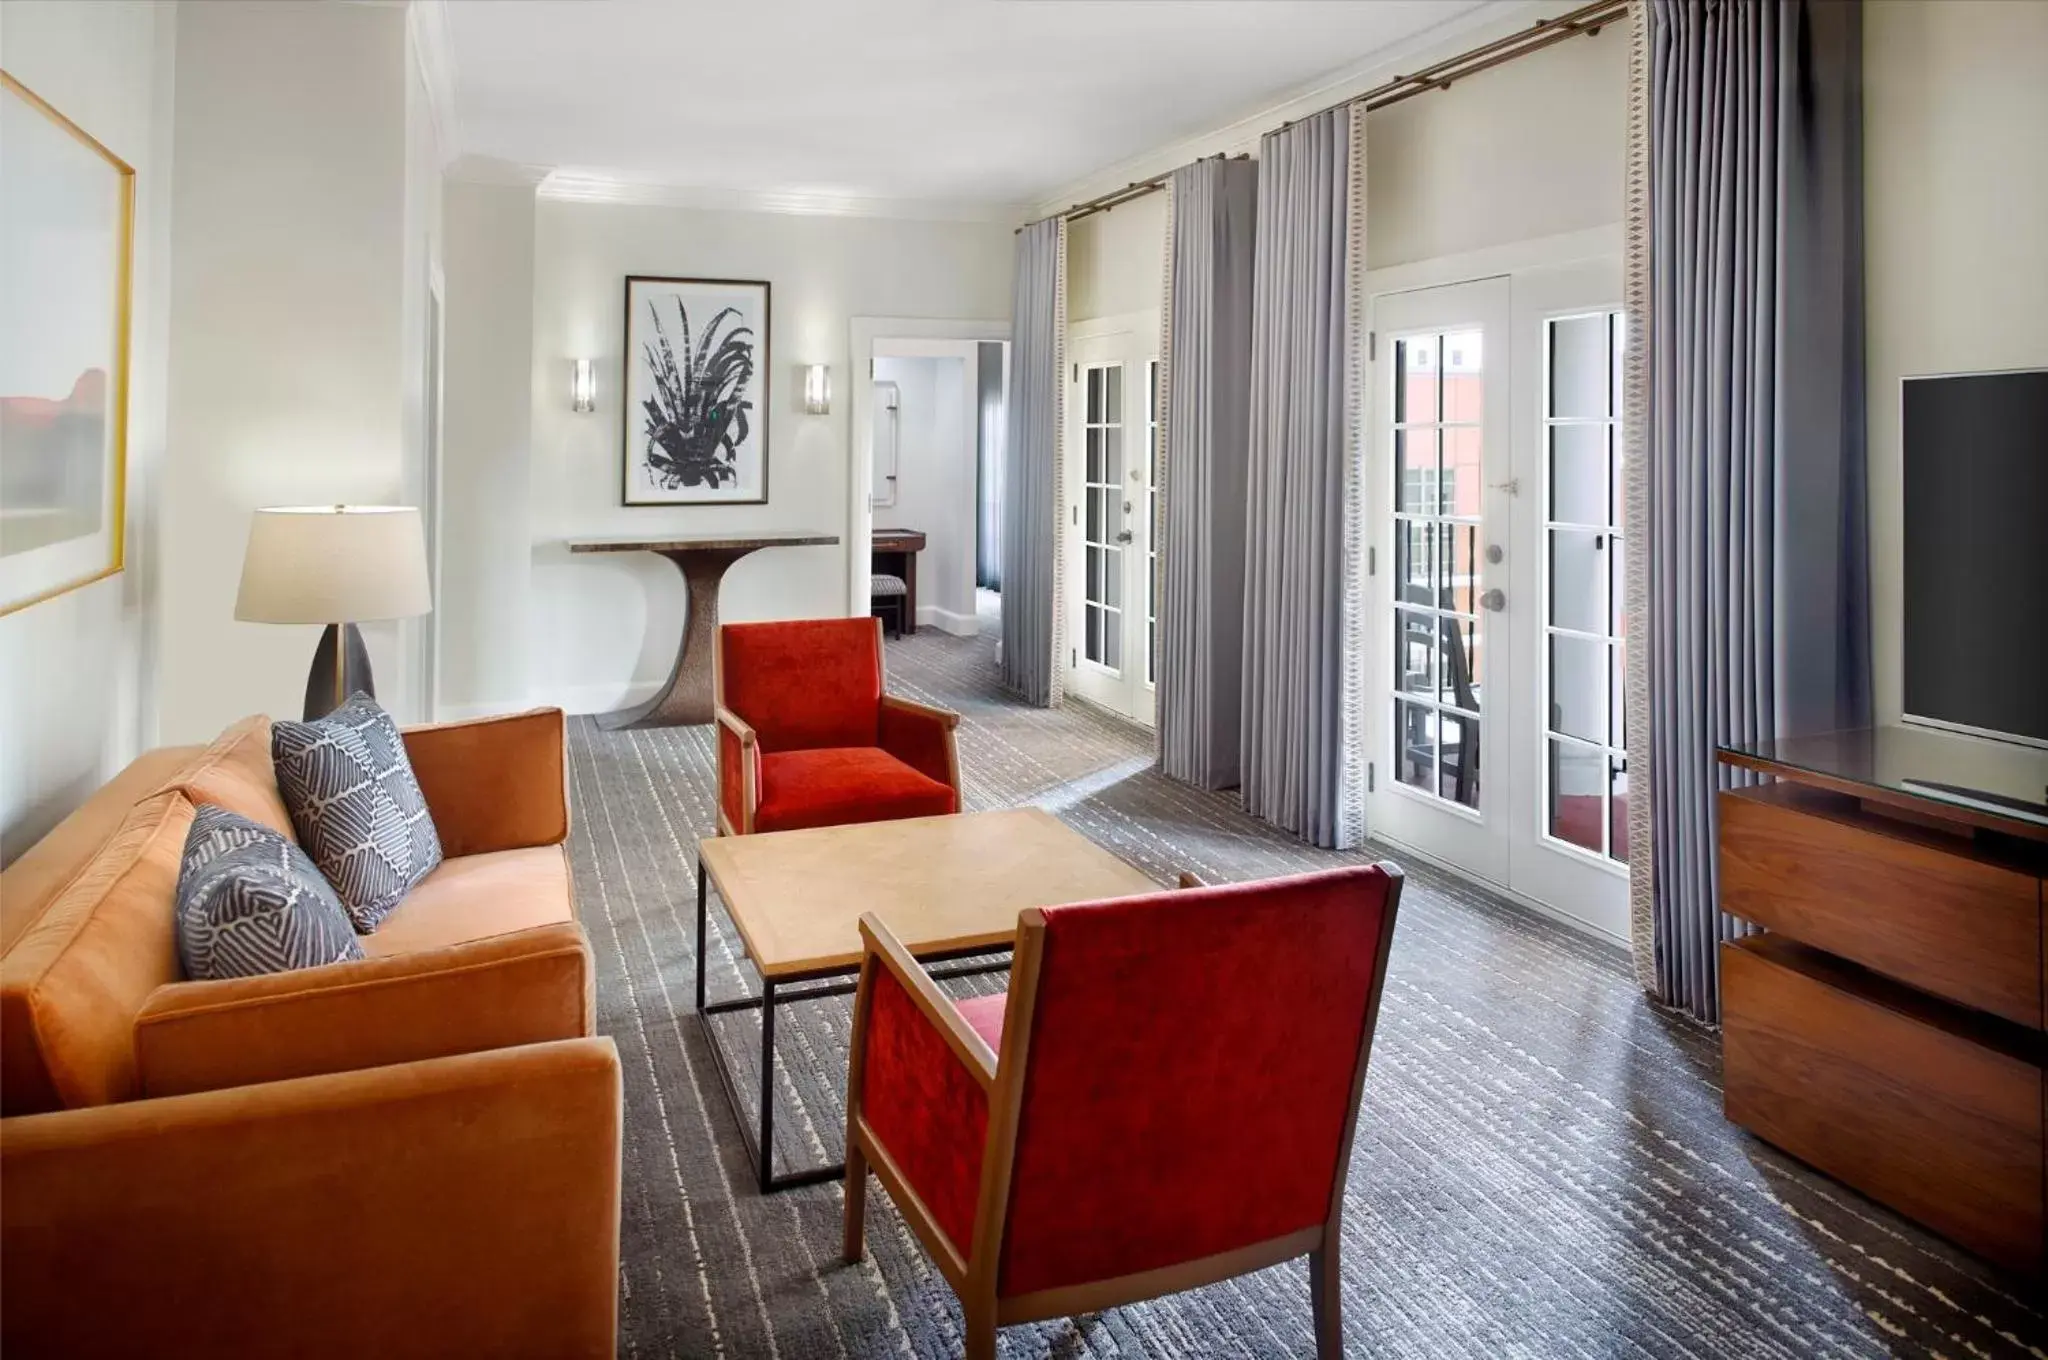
x: 965, y: 101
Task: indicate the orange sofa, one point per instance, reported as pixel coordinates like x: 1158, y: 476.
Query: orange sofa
x: 412, y: 1154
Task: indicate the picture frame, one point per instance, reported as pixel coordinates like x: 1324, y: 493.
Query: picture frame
x: 67, y: 242
x: 695, y: 377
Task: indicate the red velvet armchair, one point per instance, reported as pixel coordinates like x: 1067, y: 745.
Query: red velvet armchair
x: 806, y: 737
x: 1166, y: 1097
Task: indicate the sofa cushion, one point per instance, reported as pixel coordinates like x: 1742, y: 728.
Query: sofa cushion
x: 41, y: 872
x: 835, y: 786
x: 250, y: 902
x: 71, y: 986
x: 475, y: 897
x: 356, y: 806
x: 235, y: 773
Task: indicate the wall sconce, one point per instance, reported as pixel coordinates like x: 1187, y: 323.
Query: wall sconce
x: 583, y: 387
x: 818, y: 390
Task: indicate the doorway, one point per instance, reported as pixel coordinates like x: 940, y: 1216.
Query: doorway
x: 1108, y: 502
x: 1497, y: 648
x: 928, y: 416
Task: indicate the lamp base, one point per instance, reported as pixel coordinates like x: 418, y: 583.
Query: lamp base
x: 341, y: 666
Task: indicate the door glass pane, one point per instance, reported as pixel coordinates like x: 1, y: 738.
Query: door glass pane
x: 1457, y: 665
x: 1578, y: 775
x: 1415, y: 472
x: 1578, y: 580
x: 1578, y: 687
x: 1580, y: 372
x: 1462, y: 489
x: 1463, y: 378
x: 1458, y: 567
x: 1458, y: 740
x: 1415, y: 653
x: 1415, y: 744
x: 1414, y: 560
x: 1415, y: 379
x: 1617, y: 817
x: 1579, y: 482
x: 1617, y: 733
x: 1102, y: 500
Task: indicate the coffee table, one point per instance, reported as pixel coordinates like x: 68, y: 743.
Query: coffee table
x: 949, y: 887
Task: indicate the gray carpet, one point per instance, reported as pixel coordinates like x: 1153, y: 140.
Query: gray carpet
x: 1541, y: 1169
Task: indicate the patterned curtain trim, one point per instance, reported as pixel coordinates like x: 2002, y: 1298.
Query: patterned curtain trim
x: 1057, y: 681
x: 1160, y: 476
x: 1635, y: 425
x: 1352, y: 720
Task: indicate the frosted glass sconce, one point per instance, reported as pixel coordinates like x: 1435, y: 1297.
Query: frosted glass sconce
x: 583, y: 388
x: 818, y: 390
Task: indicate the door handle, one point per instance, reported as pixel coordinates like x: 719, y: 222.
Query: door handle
x: 1513, y: 486
x: 1494, y: 600
x: 1124, y: 536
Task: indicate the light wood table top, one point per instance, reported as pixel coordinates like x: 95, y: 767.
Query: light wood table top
x: 942, y: 884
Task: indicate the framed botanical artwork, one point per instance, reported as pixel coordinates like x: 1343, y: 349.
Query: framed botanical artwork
x: 67, y: 210
x: 696, y: 428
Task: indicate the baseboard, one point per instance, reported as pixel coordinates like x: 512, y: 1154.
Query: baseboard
x: 596, y: 698
x: 946, y: 621
x: 1590, y: 929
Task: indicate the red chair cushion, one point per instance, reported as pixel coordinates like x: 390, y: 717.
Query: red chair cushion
x: 839, y: 785
x: 804, y: 683
x: 984, y: 1015
x: 1192, y: 1055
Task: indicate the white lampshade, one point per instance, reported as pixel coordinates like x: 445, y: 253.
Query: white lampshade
x: 334, y: 564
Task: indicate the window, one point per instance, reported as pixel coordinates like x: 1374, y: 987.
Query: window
x: 1103, y: 499
x: 1584, y: 641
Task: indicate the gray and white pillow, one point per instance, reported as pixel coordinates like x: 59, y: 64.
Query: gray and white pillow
x: 250, y: 902
x: 358, y: 809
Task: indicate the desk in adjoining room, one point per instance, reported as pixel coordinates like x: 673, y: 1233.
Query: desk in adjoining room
x: 894, y: 553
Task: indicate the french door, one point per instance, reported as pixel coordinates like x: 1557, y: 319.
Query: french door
x: 1112, y: 434
x: 1497, y: 642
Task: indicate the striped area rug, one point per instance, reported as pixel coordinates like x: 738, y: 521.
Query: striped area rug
x: 1541, y: 1169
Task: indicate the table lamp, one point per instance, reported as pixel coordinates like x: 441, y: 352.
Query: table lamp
x: 339, y: 565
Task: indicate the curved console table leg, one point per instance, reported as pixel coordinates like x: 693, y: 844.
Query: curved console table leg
x: 685, y: 699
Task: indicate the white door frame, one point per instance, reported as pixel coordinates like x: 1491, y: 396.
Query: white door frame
x: 860, y: 444
x: 1133, y: 693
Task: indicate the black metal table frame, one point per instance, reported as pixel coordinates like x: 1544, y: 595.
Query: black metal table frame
x: 761, y: 1145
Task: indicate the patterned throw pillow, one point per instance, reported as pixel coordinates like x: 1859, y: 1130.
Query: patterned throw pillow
x: 357, y: 808
x: 249, y: 902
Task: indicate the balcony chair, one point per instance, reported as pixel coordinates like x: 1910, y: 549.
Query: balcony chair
x: 1165, y: 1098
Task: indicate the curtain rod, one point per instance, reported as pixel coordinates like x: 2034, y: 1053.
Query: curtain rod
x: 1587, y: 19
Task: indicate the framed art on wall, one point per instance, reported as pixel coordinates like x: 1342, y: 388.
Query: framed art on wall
x: 67, y: 207
x: 696, y: 420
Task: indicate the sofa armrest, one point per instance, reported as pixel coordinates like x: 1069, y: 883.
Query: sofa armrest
x: 739, y: 773
x: 462, y: 1206
x: 494, y: 783
x: 922, y: 737
x: 525, y: 987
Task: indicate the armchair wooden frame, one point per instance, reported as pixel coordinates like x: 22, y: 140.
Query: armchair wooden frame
x: 976, y: 1277
x: 748, y: 741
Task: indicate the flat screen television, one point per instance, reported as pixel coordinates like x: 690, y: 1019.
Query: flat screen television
x: 1976, y: 594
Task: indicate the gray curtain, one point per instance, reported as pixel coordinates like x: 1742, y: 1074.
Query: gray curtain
x: 1298, y: 483
x: 1206, y: 381
x: 1030, y: 539
x: 1757, y: 590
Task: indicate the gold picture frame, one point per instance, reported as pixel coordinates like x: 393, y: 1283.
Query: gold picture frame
x: 48, y: 566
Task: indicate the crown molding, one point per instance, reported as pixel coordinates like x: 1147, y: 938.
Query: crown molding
x: 1243, y: 134
x: 582, y: 186
x: 491, y: 170
x: 426, y: 23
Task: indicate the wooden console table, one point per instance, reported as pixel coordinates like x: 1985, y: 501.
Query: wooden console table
x: 894, y: 553
x: 1889, y: 1027
x: 703, y: 559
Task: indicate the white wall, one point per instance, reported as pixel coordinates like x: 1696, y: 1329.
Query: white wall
x: 487, y: 457
x: 289, y: 368
x: 77, y: 678
x: 604, y: 627
x: 935, y: 480
x: 1955, y: 104
x: 1116, y: 261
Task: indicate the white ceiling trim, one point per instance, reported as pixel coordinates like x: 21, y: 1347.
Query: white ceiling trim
x: 572, y: 186
x: 1490, y: 20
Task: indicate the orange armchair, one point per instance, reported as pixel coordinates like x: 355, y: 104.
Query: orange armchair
x: 806, y: 737
x: 1166, y: 1098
